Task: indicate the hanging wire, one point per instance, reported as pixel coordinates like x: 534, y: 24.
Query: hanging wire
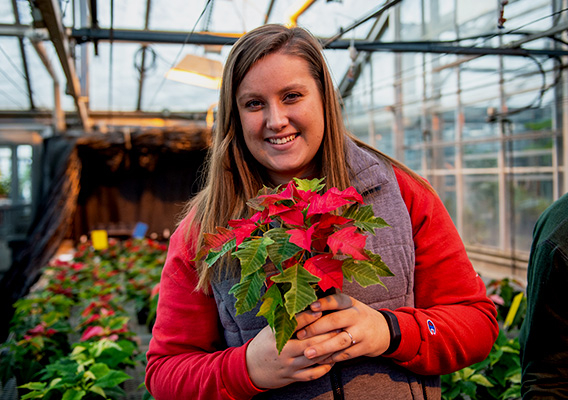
x: 16, y: 68
x: 179, y: 52
x: 12, y: 99
x: 535, y: 104
x: 488, y: 37
x: 208, y: 17
x: 138, y: 60
x: 12, y: 81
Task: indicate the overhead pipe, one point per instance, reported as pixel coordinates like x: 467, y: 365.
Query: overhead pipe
x: 293, y: 17
x: 85, y: 35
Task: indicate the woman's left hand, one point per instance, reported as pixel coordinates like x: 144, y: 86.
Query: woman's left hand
x: 362, y: 330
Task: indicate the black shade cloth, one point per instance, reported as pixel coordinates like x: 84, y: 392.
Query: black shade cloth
x: 60, y: 188
x: 141, y: 177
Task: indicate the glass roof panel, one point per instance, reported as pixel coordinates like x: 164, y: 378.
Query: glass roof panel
x: 128, y: 14
x: 323, y: 18
x: 40, y: 80
x: 6, y: 13
x: 163, y: 94
x: 234, y: 16
x: 114, y: 84
x: 13, y: 87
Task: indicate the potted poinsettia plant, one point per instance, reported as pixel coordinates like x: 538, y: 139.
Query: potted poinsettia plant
x: 298, y: 243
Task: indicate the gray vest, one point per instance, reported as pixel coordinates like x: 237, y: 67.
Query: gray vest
x: 362, y: 378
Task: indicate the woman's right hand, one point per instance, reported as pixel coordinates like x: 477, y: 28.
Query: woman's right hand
x: 269, y: 370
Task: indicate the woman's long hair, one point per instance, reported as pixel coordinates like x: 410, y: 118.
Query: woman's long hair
x: 233, y: 174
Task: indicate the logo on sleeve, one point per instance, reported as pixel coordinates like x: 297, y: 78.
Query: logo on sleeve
x: 431, y: 327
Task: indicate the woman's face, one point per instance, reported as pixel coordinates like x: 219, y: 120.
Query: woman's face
x: 281, y: 112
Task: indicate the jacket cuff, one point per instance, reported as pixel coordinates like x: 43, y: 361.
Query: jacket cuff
x: 236, y: 379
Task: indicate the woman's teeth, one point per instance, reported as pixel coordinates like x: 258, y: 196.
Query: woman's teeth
x: 282, y: 140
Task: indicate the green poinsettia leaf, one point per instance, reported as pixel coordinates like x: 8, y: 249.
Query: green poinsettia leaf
x: 213, y: 256
x: 252, y: 254
x: 72, y: 394
x: 481, y: 380
x: 314, y: 185
x: 247, y: 291
x: 98, y: 390
x: 282, y: 249
x: 301, y: 294
x: 99, y: 369
x: 33, y: 385
x: 364, y: 218
x: 362, y: 271
x: 112, y: 379
x: 271, y: 300
x: 366, y: 272
x: 284, y: 327
x: 379, y: 265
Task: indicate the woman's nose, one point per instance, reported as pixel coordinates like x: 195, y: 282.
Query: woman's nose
x: 276, y: 118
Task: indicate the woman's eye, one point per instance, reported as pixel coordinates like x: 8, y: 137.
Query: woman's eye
x: 253, y: 104
x: 292, y: 96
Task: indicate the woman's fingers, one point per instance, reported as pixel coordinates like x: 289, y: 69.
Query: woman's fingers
x: 338, y: 301
x: 360, y: 330
x: 268, y: 369
x: 334, y: 321
x: 338, y: 348
x: 307, y: 317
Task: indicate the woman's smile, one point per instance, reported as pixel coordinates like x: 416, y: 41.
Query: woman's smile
x: 281, y: 113
x: 282, y: 140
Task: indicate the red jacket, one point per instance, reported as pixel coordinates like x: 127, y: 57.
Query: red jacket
x: 184, y: 352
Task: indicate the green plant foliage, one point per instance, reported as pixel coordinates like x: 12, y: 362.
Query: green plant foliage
x: 499, y: 375
x: 70, y: 339
x: 92, y: 370
x: 503, y: 292
x: 4, y: 186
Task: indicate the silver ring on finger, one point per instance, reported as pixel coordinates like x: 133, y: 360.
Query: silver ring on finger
x: 350, y: 337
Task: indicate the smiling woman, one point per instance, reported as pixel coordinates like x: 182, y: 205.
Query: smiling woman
x: 279, y: 119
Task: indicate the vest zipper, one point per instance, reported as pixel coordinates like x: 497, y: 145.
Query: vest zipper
x: 336, y: 383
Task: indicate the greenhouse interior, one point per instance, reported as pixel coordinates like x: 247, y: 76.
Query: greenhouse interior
x: 103, y: 140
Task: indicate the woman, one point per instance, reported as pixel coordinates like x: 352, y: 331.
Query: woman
x: 279, y: 118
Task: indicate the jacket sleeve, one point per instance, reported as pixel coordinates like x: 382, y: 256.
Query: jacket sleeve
x: 453, y: 323
x: 187, y: 358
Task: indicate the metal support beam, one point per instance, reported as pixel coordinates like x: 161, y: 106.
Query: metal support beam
x: 51, y: 14
x: 207, y: 38
x: 269, y: 11
x: 373, y: 14
x: 143, y: 36
x: 15, y: 30
x: 436, y: 48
